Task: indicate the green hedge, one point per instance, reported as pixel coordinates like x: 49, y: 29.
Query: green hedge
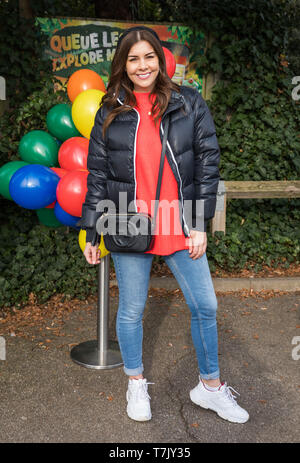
x: 258, y: 233
x: 40, y: 260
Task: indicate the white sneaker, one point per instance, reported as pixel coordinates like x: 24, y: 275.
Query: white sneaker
x: 138, y: 407
x: 221, y: 401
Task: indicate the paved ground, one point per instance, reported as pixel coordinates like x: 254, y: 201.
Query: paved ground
x: 45, y: 397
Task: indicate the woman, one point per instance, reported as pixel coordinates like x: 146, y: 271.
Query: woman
x: 124, y: 155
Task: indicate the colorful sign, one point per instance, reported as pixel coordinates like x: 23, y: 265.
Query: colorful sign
x: 87, y: 43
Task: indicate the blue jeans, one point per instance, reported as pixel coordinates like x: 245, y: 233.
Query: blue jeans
x: 193, y: 276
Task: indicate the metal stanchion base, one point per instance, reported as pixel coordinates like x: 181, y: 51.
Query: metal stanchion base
x: 87, y: 355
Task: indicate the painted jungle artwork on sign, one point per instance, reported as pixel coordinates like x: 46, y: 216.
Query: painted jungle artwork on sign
x: 76, y: 43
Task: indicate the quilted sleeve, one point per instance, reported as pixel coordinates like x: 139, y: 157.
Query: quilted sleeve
x: 97, y: 165
x: 206, y: 163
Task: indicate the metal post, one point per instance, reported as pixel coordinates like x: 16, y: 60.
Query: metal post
x: 100, y: 354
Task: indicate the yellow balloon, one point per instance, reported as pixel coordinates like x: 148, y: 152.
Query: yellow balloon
x: 82, y: 243
x: 84, y: 109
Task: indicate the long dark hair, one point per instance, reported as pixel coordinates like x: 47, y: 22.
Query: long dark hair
x: 119, y: 79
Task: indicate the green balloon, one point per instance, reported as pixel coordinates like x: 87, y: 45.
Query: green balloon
x: 6, y: 173
x: 39, y: 147
x: 47, y: 217
x: 60, y: 123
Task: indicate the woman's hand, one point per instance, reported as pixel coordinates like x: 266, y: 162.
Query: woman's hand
x: 92, y: 253
x: 197, y: 244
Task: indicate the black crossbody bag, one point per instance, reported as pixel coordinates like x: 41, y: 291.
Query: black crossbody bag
x: 134, y: 231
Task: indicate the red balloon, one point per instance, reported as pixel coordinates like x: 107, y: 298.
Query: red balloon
x: 51, y: 206
x: 71, y: 191
x: 72, y: 154
x: 170, y: 62
x: 60, y: 172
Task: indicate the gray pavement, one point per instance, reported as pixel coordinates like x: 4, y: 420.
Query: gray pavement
x: 46, y: 397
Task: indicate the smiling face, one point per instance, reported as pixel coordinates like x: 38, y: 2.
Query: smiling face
x: 142, y: 66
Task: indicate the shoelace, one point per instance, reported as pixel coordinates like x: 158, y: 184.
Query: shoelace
x: 229, y: 394
x: 140, y: 391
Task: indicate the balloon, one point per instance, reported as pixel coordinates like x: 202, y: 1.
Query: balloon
x: 60, y: 172
x: 84, y: 109
x: 59, y: 122
x: 51, y: 206
x: 82, y: 80
x: 33, y: 186
x: 6, y: 173
x: 47, y: 217
x: 39, y: 147
x: 64, y: 217
x: 71, y: 191
x: 73, y: 153
x: 82, y: 243
x: 170, y: 62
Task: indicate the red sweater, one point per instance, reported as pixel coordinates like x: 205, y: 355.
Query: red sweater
x: 169, y: 235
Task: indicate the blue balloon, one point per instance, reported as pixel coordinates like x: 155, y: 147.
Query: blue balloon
x: 33, y: 186
x: 64, y: 217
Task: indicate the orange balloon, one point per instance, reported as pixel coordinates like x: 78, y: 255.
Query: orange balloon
x: 84, y: 79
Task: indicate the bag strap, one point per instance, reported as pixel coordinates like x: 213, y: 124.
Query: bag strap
x: 162, y: 160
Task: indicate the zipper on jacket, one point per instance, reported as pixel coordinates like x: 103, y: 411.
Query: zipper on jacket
x: 134, y: 153
x: 186, y: 229
x: 134, y: 158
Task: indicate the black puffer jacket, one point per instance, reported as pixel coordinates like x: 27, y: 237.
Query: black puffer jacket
x: 192, y: 152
